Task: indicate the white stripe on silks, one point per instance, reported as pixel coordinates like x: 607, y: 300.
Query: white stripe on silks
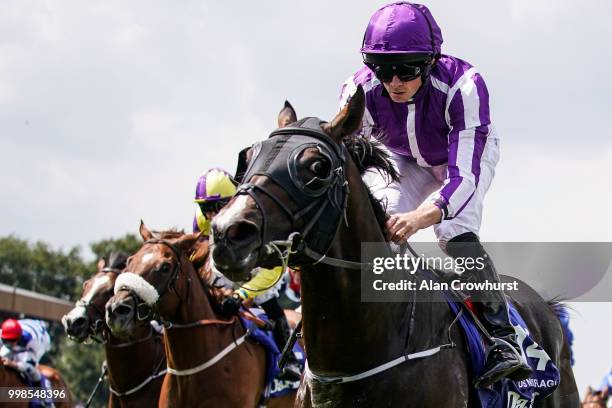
x: 467, y: 75
x: 348, y: 91
x: 141, y: 287
x: 371, y: 84
x: 439, y: 85
x: 367, y: 124
x: 465, y: 147
x: 471, y: 103
x: 465, y: 151
x: 412, y: 139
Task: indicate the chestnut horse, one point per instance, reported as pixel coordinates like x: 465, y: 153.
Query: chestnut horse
x: 211, y: 361
x: 595, y: 398
x: 302, y: 195
x: 136, y: 367
x: 10, y: 378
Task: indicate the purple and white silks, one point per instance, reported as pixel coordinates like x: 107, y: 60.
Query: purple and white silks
x: 447, y: 123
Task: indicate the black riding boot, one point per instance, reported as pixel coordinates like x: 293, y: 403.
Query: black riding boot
x: 504, y: 359
x: 282, y: 332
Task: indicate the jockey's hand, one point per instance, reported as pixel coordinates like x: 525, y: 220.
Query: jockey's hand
x: 231, y: 305
x: 402, y: 226
x: 9, y: 363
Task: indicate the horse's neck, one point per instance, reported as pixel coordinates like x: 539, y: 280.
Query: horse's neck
x: 334, y: 316
x: 195, y: 301
x: 195, y: 306
x: 132, y: 364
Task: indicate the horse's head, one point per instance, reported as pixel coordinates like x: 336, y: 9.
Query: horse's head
x: 295, y: 181
x: 596, y: 399
x: 153, y: 282
x: 87, y: 318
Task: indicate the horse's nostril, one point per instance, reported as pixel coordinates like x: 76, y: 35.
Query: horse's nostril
x: 79, y: 323
x: 241, y: 231
x: 123, y: 310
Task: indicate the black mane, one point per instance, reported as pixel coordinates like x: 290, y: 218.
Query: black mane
x: 368, y: 154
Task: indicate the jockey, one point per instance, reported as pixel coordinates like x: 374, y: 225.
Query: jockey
x: 214, y: 189
x: 431, y: 111
x: 24, y: 342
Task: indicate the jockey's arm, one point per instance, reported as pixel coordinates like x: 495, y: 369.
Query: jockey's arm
x: 262, y: 282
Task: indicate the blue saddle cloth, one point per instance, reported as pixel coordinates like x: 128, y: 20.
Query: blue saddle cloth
x: 508, y: 393
x: 38, y: 403
x: 274, y: 387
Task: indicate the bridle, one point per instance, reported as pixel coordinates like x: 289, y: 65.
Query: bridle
x: 322, y: 202
x: 145, y: 310
x: 96, y: 328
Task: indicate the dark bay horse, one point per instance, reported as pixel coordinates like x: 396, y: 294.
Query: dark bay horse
x: 309, y: 180
x: 10, y: 378
x: 211, y: 361
x: 136, y: 367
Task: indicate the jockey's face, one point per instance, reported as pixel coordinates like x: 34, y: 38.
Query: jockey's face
x: 402, y: 91
x: 10, y: 342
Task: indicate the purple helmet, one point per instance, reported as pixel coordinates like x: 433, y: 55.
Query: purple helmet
x: 402, y: 28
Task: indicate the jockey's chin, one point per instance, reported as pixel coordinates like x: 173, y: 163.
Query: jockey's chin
x: 402, y: 91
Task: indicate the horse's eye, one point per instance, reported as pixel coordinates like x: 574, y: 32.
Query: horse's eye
x: 321, y: 168
x: 164, y: 268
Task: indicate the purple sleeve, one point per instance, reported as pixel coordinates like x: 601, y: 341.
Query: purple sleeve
x: 468, y: 116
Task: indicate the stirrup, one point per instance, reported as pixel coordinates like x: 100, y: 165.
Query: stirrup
x: 522, y: 369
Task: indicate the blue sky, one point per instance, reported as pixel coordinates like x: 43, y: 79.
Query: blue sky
x: 109, y: 111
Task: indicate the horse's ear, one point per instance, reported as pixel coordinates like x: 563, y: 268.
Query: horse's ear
x: 101, y: 264
x: 348, y: 121
x: 287, y: 115
x: 187, y: 241
x: 145, y: 233
x: 589, y: 390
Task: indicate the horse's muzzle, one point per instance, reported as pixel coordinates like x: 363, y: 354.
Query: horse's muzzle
x: 120, y: 316
x: 76, y: 326
x: 235, y: 249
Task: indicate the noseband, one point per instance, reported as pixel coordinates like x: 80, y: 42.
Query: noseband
x: 321, y: 201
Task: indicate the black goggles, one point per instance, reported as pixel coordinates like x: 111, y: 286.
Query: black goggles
x: 405, y: 72
x: 213, y: 206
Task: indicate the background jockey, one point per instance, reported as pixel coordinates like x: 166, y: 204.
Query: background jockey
x: 214, y: 189
x: 24, y: 342
x: 431, y: 111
